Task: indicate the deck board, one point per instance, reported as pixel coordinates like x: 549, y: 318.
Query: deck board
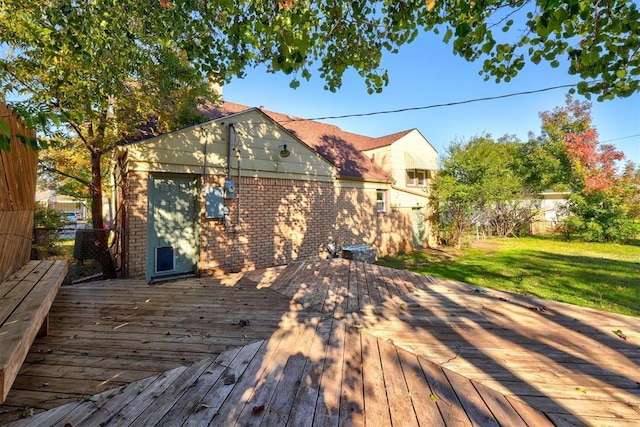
x: 400, y: 408
x: 376, y: 400
x: 270, y: 379
x: 327, y: 342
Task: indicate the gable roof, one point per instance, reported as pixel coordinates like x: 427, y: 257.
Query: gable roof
x: 383, y: 141
x: 337, y: 146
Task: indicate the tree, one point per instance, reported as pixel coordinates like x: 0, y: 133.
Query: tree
x: 630, y: 184
x: 103, y: 71
x: 65, y: 166
x: 92, y: 76
x: 567, y: 156
x: 544, y: 158
x: 478, y: 184
x: 597, y: 203
x: 594, y: 165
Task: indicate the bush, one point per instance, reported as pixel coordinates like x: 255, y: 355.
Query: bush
x: 625, y: 231
x: 572, y: 226
x: 48, y: 224
x: 593, y: 232
x: 616, y: 231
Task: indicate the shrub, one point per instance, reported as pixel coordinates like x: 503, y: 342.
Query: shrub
x: 48, y: 224
x: 593, y: 232
x: 625, y: 231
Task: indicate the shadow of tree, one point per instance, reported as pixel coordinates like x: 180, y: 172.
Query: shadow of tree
x: 358, y: 343
x: 544, y: 353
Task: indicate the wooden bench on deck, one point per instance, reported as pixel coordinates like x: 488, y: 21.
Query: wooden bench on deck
x: 25, y: 300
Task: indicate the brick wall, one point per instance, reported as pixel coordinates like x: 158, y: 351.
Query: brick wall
x: 134, y: 189
x: 281, y: 220
x: 357, y: 222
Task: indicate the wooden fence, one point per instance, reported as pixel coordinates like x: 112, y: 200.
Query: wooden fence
x: 17, y: 196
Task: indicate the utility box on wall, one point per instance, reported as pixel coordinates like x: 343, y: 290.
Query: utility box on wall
x: 214, y: 202
x: 229, y: 189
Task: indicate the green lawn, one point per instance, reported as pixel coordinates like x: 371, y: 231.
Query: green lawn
x: 597, y: 275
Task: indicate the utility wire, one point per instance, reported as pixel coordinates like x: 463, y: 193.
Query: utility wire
x: 426, y: 107
x: 622, y: 137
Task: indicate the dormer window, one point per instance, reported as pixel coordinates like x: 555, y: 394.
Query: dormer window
x: 419, y: 169
x: 417, y: 178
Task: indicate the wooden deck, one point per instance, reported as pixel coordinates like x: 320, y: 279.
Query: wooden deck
x: 325, y: 343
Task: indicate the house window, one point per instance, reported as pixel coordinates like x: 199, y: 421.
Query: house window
x: 411, y: 178
x: 381, y: 200
x: 416, y: 178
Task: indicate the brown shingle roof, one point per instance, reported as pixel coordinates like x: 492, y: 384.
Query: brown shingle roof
x: 340, y: 148
x: 383, y: 141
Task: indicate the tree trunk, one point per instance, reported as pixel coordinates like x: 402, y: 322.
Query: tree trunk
x: 103, y: 254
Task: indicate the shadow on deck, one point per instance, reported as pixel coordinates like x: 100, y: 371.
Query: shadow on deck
x: 322, y: 344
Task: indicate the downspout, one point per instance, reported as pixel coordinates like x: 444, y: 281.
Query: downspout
x: 229, y: 151
x: 238, y: 190
x: 229, y: 185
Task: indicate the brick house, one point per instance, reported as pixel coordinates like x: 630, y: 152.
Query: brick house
x: 250, y: 188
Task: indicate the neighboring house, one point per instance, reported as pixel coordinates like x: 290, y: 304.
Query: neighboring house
x: 251, y: 188
x: 552, y: 211
x: 62, y: 203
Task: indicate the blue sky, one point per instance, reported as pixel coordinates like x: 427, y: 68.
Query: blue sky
x: 425, y: 73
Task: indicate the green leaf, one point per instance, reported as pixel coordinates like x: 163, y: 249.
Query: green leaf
x: 488, y: 46
x: 447, y: 35
x: 5, y: 143
x: 620, y: 334
x: 294, y: 84
x: 4, y: 128
x: 463, y: 29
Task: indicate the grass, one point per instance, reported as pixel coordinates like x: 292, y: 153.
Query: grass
x: 597, y: 275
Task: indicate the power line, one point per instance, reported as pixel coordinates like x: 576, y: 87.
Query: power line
x: 426, y: 107
x: 622, y: 137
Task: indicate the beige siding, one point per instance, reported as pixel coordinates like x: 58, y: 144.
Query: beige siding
x: 392, y: 158
x: 383, y: 157
x: 256, y: 139
x: 286, y: 209
x: 401, y: 198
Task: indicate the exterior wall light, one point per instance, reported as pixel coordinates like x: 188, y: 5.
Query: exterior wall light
x: 284, y: 153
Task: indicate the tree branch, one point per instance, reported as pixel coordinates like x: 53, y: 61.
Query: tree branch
x: 61, y: 173
x: 78, y: 131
